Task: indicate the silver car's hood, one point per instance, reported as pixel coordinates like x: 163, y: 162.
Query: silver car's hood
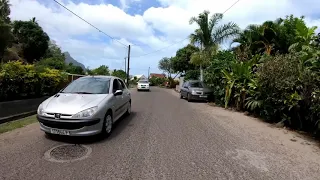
x: 72, y: 103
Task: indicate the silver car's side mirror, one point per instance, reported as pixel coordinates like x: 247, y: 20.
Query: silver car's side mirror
x: 118, y: 92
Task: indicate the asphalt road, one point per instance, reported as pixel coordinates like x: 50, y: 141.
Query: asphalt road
x: 166, y: 138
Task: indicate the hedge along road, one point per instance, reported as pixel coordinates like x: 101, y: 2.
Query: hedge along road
x: 168, y: 138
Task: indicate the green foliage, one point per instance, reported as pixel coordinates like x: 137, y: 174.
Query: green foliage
x: 287, y: 87
x: 155, y: 81
x: 237, y: 79
x: 192, y: 75
x: 101, y: 70
x: 54, y: 51
x: 120, y: 74
x: 181, y: 62
x: 52, y: 63
x: 213, y: 76
x: 5, y: 36
x: 5, y: 11
x: 209, y: 35
x: 18, y: 80
x: 33, y: 39
x: 76, y: 69
x: 165, y: 64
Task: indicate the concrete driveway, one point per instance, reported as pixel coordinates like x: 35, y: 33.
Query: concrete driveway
x: 168, y: 138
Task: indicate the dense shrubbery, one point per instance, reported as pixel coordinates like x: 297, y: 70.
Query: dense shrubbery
x: 278, y: 88
x: 18, y: 80
x: 155, y: 81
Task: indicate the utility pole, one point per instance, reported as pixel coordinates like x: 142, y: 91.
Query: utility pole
x: 128, y: 70
x: 149, y: 73
x: 125, y: 65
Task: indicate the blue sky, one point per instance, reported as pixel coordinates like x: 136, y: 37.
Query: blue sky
x: 148, y: 25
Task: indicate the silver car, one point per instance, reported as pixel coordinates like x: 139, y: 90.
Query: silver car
x: 87, y: 106
x: 195, y: 90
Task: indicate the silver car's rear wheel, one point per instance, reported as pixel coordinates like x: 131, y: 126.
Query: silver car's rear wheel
x: 129, y: 109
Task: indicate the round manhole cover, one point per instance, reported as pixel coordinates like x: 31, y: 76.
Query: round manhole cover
x: 67, y: 153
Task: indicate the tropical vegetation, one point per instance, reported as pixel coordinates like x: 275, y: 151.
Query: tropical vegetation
x: 272, y: 70
x: 32, y: 65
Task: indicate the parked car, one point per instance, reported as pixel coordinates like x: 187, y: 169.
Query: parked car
x: 195, y: 90
x: 87, y: 106
x: 143, y: 85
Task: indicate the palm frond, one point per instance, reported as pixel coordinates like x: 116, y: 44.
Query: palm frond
x: 222, y: 33
x: 214, y: 20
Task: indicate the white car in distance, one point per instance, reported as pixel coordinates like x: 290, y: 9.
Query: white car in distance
x: 143, y: 85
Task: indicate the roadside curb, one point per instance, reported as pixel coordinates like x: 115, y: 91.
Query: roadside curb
x: 16, y: 117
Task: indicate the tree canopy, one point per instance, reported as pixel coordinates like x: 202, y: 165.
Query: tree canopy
x: 101, y: 70
x: 120, y: 74
x: 34, y: 40
x: 166, y: 65
x: 181, y: 62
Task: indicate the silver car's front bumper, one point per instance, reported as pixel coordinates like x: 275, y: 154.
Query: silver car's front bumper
x: 74, y: 127
x: 146, y: 88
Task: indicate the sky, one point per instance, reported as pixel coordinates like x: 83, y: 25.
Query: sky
x: 154, y: 28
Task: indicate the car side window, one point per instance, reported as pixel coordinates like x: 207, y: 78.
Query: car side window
x: 115, y: 86
x: 185, y: 84
x: 122, y: 84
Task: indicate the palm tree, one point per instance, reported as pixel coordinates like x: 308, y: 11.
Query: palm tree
x: 5, y: 10
x: 208, y: 35
x: 261, y: 38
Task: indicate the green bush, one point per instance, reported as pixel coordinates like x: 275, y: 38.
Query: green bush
x: 192, y: 75
x: 288, y: 90
x: 213, y: 76
x: 19, y: 81
x: 155, y: 81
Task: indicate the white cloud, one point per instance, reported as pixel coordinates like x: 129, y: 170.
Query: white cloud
x: 171, y: 20
x: 125, y: 4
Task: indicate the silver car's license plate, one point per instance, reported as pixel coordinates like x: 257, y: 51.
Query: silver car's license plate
x: 203, y: 96
x: 59, y: 131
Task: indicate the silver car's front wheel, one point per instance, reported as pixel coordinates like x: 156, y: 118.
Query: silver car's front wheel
x: 107, y: 125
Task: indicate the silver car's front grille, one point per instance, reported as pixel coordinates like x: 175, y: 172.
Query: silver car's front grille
x: 61, y: 116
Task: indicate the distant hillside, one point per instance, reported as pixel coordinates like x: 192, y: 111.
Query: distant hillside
x: 69, y: 59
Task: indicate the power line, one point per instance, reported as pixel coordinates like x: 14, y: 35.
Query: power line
x: 184, y: 38
x: 161, y: 48
x: 231, y: 6
x: 90, y: 24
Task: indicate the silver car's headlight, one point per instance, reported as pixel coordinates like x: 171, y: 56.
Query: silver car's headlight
x: 86, y: 113
x: 40, y: 110
x: 193, y: 92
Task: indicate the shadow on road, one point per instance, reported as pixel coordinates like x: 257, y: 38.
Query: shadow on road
x: 118, y: 127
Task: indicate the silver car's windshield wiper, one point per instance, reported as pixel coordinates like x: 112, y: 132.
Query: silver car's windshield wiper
x: 82, y: 92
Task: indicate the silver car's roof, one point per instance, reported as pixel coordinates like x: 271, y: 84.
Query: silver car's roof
x: 100, y: 76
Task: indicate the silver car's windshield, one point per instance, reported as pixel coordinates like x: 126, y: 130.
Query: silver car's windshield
x: 197, y: 84
x: 143, y: 81
x: 89, y: 85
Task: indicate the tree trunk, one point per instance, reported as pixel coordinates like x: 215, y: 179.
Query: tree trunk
x: 201, y: 70
x: 201, y: 73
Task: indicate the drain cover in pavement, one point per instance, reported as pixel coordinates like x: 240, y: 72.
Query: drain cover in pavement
x: 67, y: 153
